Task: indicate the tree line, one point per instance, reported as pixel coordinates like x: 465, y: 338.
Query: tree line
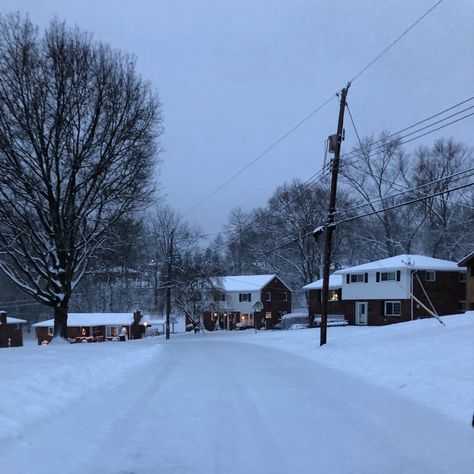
x: 82, y: 226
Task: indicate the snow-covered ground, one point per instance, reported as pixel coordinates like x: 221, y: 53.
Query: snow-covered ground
x: 396, y: 399
x: 423, y: 360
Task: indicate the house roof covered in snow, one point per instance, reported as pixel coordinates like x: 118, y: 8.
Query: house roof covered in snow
x: 405, y: 261
x: 95, y: 319
x: 462, y: 263
x: 243, y: 282
x: 335, y: 282
x: 15, y: 320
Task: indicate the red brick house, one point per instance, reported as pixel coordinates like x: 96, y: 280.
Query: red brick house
x: 247, y: 301
x: 396, y: 289
x: 11, y: 332
x: 96, y: 327
x: 468, y: 261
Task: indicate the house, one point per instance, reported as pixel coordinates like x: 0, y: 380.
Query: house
x: 468, y: 261
x: 11, y: 333
x: 401, y: 288
x: 247, y: 301
x: 96, y: 327
x: 392, y: 290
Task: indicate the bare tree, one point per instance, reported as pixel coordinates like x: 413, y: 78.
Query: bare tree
x: 78, y: 130
x: 449, y: 216
x: 376, y: 173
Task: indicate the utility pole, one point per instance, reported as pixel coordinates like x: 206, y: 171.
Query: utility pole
x: 168, y: 284
x: 332, y: 209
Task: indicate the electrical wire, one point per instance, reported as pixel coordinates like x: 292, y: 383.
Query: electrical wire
x: 396, y: 40
x: 310, y: 115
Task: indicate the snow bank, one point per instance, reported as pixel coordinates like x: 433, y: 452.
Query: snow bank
x: 422, y: 360
x: 39, y: 382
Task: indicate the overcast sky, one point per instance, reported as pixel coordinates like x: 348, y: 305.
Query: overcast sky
x: 235, y: 75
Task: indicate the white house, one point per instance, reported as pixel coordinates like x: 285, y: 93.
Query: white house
x: 247, y: 300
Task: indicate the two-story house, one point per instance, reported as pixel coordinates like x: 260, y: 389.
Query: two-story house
x: 402, y: 288
x: 247, y: 301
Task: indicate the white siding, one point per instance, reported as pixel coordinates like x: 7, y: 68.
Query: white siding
x: 232, y: 302
x: 373, y: 290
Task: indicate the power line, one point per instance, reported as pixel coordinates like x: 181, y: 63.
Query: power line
x: 360, y: 216
x: 261, y: 155
x: 308, y: 116
x: 395, y: 41
x: 358, y: 152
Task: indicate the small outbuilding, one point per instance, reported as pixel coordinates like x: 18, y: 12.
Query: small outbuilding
x: 11, y: 331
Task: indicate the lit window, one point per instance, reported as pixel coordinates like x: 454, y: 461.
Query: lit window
x: 333, y: 295
x: 50, y: 331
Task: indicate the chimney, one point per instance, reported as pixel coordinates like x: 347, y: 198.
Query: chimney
x: 137, y: 315
x: 3, y: 317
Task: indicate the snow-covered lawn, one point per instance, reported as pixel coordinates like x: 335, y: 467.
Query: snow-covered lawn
x: 38, y: 383
x: 374, y: 400
x: 423, y: 360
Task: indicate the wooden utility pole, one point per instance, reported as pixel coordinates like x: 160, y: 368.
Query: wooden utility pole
x: 331, y: 212
x: 168, y: 284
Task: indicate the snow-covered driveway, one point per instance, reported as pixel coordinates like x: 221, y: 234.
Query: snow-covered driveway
x: 215, y: 404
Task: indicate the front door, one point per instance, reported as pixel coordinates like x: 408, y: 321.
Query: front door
x: 361, y: 313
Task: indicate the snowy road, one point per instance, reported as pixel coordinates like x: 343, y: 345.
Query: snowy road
x: 215, y: 404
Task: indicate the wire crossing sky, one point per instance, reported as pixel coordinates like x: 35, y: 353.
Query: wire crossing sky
x: 235, y: 77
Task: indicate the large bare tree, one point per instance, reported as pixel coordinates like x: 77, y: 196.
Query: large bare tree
x: 78, y: 132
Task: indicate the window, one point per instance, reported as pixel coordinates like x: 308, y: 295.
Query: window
x: 268, y: 315
x: 112, y: 331
x: 269, y: 296
x: 50, y: 331
x: 333, y: 295
x: 219, y: 297
x: 393, y: 308
x: 462, y: 277
x: 245, y: 297
x: 388, y: 276
x: 251, y: 320
x: 357, y: 278
x: 285, y: 296
x: 244, y: 318
x: 430, y: 276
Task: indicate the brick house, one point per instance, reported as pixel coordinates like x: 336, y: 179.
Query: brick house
x: 96, y: 327
x: 247, y: 301
x: 11, y: 332
x: 395, y: 289
x: 468, y: 261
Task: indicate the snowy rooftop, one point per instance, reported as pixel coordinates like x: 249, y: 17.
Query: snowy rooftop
x: 466, y: 259
x: 95, y: 319
x: 15, y: 320
x: 414, y: 262
x: 243, y: 282
x: 335, y: 282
